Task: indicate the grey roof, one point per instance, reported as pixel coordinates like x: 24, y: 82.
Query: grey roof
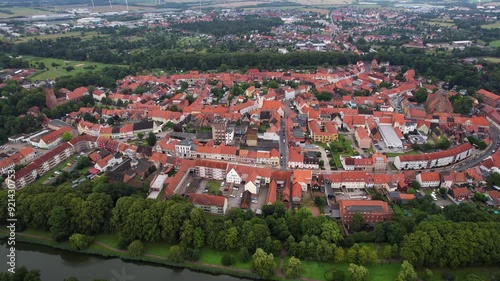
x: 362, y: 209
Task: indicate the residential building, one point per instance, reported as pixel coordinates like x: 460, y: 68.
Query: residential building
x: 362, y: 138
x: 211, y: 169
x: 435, y: 159
x: 328, y: 134
x: 489, y: 98
x: 429, y: 179
x: 211, y: 204
x: 373, y: 211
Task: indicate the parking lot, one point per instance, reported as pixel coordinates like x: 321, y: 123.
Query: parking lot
x: 438, y: 199
x: 13, y: 147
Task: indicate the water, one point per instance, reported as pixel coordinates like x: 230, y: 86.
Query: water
x: 55, y: 265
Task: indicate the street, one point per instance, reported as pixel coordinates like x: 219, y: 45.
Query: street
x: 284, y: 142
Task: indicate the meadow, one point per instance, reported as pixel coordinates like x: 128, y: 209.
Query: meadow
x: 54, y: 72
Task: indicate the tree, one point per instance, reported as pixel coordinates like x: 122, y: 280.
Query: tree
x: 80, y: 242
x: 387, y: 252
x: 427, y: 275
x: 244, y: 255
x: 140, y: 136
x: 293, y: 268
x: 176, y: 254
x: 66, y: 136
x: 357, y: 222
x: 378, y: 233
x: 83, y: 162
x: 407, y: 273
x: 263, y: 264
x: 228, y: 260
x: 416, y: 185
x: 151, y: 139
x: 358, y: 272
x: 421, y: 95
x: 135, y: 249
x: 59, y: 223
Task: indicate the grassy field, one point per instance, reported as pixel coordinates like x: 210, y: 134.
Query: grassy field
x: 491, y: 26
x: 234, y: 4
x: 22, y: 12
x: 495, y: 43
x: 379, y: 272
x: 215, y: 257
x: 86, y: 35
x: 441, y: 23
x: 55, y: 72
x: 321, y: 2
x: 394, y: 154
x: 492, y: 59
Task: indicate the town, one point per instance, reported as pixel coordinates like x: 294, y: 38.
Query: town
x: 341, y: 143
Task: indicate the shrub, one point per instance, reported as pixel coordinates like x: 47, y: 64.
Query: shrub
x: 136, y: 249
x: 80, y: 242
x: 228, y: 260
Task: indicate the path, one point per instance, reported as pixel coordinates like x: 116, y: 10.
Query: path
x: 280, y: 272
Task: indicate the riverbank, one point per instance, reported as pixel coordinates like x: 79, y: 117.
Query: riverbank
x: 99, y: 248
x: 105, y: 246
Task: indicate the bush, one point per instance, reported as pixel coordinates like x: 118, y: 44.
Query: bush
x: 228, y: 260
x: 448, y: 276
x: 192, y: 254
x: 136, y: 249
x: 244, y: 255
x: 80, y: 242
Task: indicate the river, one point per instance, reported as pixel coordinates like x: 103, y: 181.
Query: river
x: 55, y: 265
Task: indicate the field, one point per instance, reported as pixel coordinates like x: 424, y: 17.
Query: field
x: 491, y: 25
x: 235, y: 4
x: 55, y: 72
x: 321, y: 2
x: 495, y: 43
x: 22, y: 12
x: 441, y: 23
x: 86, y: 35
x: 492, y: 59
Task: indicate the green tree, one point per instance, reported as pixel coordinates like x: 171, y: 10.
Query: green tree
x: 66, y: 136
x: 80, y: 242
x: 176, y: 254
x: 378, y: 233
x: 358, y: 272
x: 293, y: 268
x: 83, y: 162
x: 387, y: 251
x: 263, y: 264
x: 273, y: 84
x: 427, y: 275
x: 357, y: 222
x: 244, y: 255
x: 59, y: 223
x: 421, y: 95
x: 140, y: 136
x: 151, y: 139
x: 407, y: 273
x: 228, y: 260
x: 135, y: 249
x: 416, y: 185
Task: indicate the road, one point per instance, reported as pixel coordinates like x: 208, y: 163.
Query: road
x: 284, y: 142
x: 495, y: 134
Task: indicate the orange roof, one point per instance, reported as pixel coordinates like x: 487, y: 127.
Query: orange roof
x: 207, y: 200
x: 304, y: 176
x: 488, y: 94
x: 430, y: 176
x: 362, y: 133
x: 271, y: 193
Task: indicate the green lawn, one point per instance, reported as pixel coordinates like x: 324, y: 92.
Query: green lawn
x: 57, y: 168
x: 460, y: 273
x: 492, y: 59
x: 495, y: 43
x: 55, y: 72
x: 157, y: 248
x: 491, y: 25
x: 213, y: 185
x: 108, y: 239
x: 21, y: 12
x: 37, y: 232
x: 379, y: 272
x: 394, y: 154
x: 215, y: 257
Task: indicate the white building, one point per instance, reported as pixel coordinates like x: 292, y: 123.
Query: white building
x: 390, y: 137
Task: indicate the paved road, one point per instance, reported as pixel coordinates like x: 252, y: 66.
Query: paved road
x: 485, y: 154
x: 283, y: 142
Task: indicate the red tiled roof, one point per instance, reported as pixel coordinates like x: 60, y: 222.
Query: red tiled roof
x: 207, y: 200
